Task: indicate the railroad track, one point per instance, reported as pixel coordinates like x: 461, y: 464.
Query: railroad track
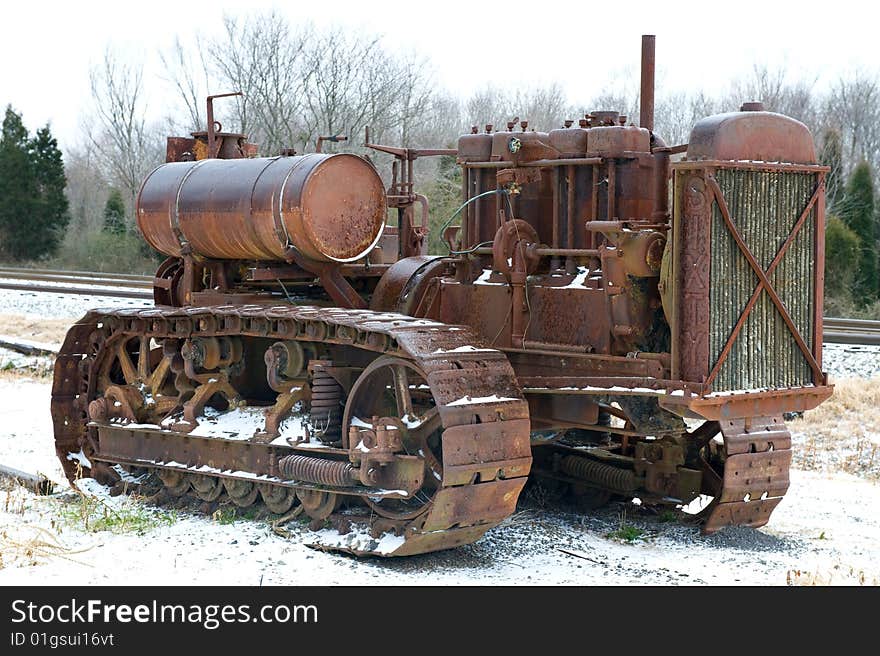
x: 851, y: 331
x: 85, y: 283
x: 124, y: 285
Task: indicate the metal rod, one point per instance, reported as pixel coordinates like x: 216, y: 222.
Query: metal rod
x: 569, y: 213
x: 594, y: 207
x: 612, y: 190
x: 466, y: 217
x: 475, y: 225
x: 539, y: 163
x: 555, y: 240
x: 570, y: 252
x: 646, y: 98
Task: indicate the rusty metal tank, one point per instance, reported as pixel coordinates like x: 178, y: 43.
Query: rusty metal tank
x: 330, y: 208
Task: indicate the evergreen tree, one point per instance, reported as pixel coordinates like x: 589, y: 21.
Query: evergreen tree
x: 831, y: 155
x: 444, y: 197
x: 114, y: 213
x: 18, y: 187
x: 52, y: 214
x: 842, y: 249
x: 857, y: 211
x: 33, y: 207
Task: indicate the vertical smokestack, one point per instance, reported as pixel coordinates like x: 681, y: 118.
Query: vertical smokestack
x: 646, y: 97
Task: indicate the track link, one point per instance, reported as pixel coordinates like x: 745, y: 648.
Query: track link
x: 755, y: 478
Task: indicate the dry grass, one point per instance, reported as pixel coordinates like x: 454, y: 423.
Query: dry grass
x: 49, y: 331
x: 41, y: 369
x: 838, y: 575
x: 842, y: 434
x: 32, y: 545
x: 22, y: 544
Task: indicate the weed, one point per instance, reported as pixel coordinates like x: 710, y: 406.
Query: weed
x: 837, y: 575
x: 93, y: 514
x: 225, y: 516
x: 625, y: 532
x: 668, y: 516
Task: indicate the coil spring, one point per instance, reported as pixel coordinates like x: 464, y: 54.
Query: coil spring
x: 316, y: 470
x: 325, y: 412
x: 614, y: 478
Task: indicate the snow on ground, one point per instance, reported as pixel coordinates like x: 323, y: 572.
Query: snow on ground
x: 827, y: 528
x: 60, y: 306
x: 851, y: 360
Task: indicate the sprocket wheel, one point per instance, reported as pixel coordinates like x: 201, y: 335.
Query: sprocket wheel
x: 394, y: 388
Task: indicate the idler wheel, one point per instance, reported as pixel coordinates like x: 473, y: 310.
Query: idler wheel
x: 277, y: 498
x: 398, y: 391
x: 176, y: 483
x: 317, y: 504
x: 207, y: 488
x: 242, y: 493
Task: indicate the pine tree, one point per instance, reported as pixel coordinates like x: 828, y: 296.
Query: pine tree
x: 114, y: 213
x: 842, y: 247
x: 52, y: 210
x: 444, y: 197
x: 33, y: 207
x: 857, y: 211
x: 831, y: 155
x: 18, y: 187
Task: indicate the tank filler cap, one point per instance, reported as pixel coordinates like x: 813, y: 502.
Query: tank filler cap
x: 755, y: 106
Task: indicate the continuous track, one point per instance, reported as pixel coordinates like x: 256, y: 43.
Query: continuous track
x: 481, y: 467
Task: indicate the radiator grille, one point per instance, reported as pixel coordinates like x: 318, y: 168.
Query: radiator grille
x: 764, y: 205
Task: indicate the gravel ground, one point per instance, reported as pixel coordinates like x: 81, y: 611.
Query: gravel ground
x: 851, y: 360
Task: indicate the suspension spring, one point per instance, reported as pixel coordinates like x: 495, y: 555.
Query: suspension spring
x: 607, y: 476
x: 325, y: 413
x: 317, y: 470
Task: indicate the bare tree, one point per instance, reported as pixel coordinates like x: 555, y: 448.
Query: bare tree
x: 676, y: 114
x: 778, y: 92
x: 183, y: 73
x: 264, y: 59
x: 86, y: 188
x: 853, y: 107
x: 127, y: 147
x: 545, y: 108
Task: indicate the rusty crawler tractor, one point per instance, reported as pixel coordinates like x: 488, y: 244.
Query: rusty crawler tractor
x: 304, y: 353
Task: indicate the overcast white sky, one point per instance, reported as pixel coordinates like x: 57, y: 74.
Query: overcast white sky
x: 46, y: 48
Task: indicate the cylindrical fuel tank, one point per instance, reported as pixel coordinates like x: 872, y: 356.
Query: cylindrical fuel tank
x: 328, y: 207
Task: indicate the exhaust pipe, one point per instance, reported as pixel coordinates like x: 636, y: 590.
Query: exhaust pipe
x: 646, y: 97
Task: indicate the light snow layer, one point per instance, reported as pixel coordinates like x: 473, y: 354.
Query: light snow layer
x: 60, y: 306
x: 826, y: 525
